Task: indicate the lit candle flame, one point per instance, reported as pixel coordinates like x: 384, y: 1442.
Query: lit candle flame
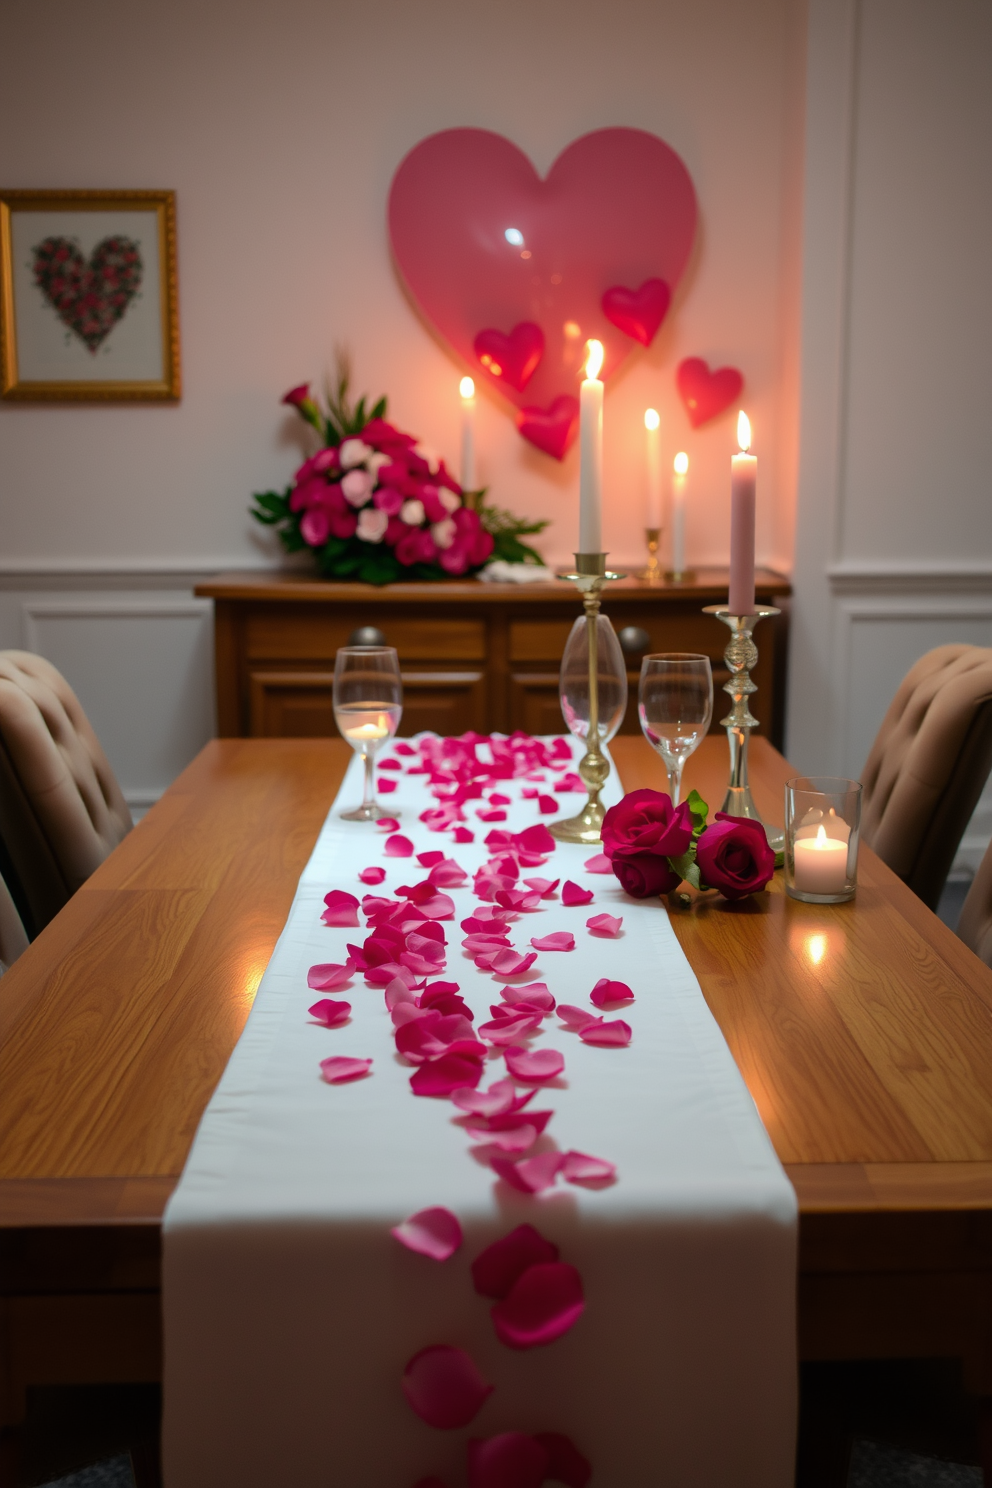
x: 467, y: 387
x: 652, y: 418
x: 681, y: 463
x: 594, y: 359
x: 743, y: 432
x: 821, y: 838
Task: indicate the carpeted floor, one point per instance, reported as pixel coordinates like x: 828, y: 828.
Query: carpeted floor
x: 114, y: 1473
x: 875, y: 1466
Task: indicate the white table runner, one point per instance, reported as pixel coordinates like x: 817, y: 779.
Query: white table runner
x: 290, y: 1311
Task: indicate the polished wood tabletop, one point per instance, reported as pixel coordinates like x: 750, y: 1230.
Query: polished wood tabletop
x: 864, y: 1032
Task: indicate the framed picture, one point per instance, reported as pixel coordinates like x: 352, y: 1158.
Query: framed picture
x: 88, y: 296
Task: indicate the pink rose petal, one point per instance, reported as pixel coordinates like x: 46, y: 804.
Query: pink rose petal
x: 498, y: 1099
x: 572, y: 894
x: 598, y: 863
x: 438, y: 907
x: 406, y: 750
x: 342, y: 908
x: 510, y: 1460
x: 558, y: 940
x: 492, y: 814
x: 543, y: 1304
x: 435, y: 1233
x: 439, y: 1077
x: 332, y: 1014
x: 535, y: 993
x: 462, y: 834
x: 567, y: 1463
x: 576, y: 1017
x: 511, y: 963
x: 372, y: 875
x: 607, y: 993
x: 507, y: 1031
x: 534, y: 1066
x: 498, y: 800
x: 532, y: 1175
x: 512, y: 1139
x: 398, y: 992
x: 536, y: 839
x: 604, y: 924
x: 399, y: 846
x: 508, y: 1121
x: 339, y: 1070
x: 496, y: 1269
x: 579, y: 1167
x: 448, y: 875
x: 428, y: 859
x: 385, y: 785
x: 615, y: 1035
x: 529, y: 793
x: 570, y: 782
x: 547, y: 805
x: 329, y: 975
x: 444, y: 1387
x: 544, y: 886
x: 390, y: 764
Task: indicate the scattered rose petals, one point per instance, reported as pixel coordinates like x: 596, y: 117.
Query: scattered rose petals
x: 399, y: 846
x: 518, y: 899
x: 534, y: 1066
x: 501, y: 1097
x: 570, y: 782
x: 607, y: 993
x: 529, y: 793
x: 605, y: 925
x: 615, y: 1035
x: 598, y: 863
x: 342, y: 908
x: 339, y: 1070
x: 567, y: 1464
x: 532, y: 1175
x: 542, y: 1305
x: 508, y: 1030
x: 406, y: 750
x: 428, y: 859
x: 438, y: 907
x: 385, y: 785
x: 575, y: 1017
x: 444, y: 1387
x: 513, y: 1139
x: 510, y: 1460
x: 572, y: 894
x: 547, y: 805
x: 492, y: 814
x: 430, y: 1232
x: 496, y: 1269
x: 387, y: 824
x: 332, y: 1014
x: 558, y: 940
x: 372, y: 875
x: 534, y: 993
x: 536, y: 839
x: 448, y: 875
x: 390, y: 764
x: 544, y: 886
x: 462, y: 834
x: 498, y: 800
x: 397, y: 992
x: 439, y: 1077
x: 579, y: 1167
x: 512, y: 963
x: 329, y: 975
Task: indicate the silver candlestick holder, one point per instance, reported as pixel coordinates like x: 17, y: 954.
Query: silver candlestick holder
x: 741, y: 655
x: 589, y: 578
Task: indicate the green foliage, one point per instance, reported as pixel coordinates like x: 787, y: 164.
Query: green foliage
x: 699, y: 811
x: 506, y: 531
x: 342, y: 420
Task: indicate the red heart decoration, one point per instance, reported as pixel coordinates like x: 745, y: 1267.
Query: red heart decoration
x: 482, y: 241
x: 515, y: 357
x: 553, y: 429
x: 89, y: 298
x: 638, y: 312
x: 706, y: 393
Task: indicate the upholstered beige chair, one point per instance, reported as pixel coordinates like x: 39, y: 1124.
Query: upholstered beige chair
x: 13, y: 937
x: 928, y: 765
x: 975, y: 922
x: 61, y: 809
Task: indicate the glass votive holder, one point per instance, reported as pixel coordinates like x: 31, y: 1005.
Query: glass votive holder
x: 822, y: 828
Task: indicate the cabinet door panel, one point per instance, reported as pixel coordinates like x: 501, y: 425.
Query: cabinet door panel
x: 534, y: 704
x: 286, y: 705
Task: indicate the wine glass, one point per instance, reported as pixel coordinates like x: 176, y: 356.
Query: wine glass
x: 675, y: 705
x: 368, y: 705
x: 573, y: 680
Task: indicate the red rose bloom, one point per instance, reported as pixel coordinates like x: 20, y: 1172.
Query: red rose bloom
x: 297, y: 396
x: 640, y: 834
x: 733, y: 856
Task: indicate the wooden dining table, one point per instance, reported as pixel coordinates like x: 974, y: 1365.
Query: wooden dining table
x: 863, y: 1031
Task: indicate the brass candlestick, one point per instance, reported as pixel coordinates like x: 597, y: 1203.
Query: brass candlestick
x: 589, y: 577
x: 652, y: 574
x: 740, y: 656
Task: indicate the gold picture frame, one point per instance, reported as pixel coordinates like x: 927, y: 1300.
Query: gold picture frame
x: 88, y: 297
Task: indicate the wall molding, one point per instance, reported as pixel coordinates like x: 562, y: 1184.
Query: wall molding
x: 32, y: 611
x: 933, y: 576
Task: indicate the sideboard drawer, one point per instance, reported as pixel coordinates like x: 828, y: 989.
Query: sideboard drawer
x: 309, y: 636
x: 539, y: 640
x: 300, y: 705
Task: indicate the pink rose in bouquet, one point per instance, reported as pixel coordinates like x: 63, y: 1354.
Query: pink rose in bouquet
x: 640, y: 834
x: 733, y: 856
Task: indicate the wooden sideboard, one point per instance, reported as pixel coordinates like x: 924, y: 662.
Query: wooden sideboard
x: 474, y: 656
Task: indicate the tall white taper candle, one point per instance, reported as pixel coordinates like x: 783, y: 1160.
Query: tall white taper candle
x: 743, y: 483
x: 652, y: 425
x: 591, y: 453
x: 467, y: 390
x: 680, y: 476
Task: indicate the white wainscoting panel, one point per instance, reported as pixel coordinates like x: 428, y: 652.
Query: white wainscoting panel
x: 141, y: 663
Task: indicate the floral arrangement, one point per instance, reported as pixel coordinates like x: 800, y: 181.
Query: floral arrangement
x: 654, y: 846
x: 374, y: 505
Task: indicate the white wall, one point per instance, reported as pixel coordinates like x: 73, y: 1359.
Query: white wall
x: 894, y: 538
x: 280, y: 123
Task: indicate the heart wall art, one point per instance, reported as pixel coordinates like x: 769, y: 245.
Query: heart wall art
x: 88, y: 296
x: 516, y: 273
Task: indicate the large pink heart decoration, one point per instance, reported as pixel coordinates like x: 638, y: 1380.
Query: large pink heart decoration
x: 492, y: 255
x: 706, y: 393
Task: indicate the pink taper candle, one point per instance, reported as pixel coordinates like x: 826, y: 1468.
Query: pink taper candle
x: 743, y: 480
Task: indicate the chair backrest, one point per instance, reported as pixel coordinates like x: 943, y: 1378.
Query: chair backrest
x: 929, y: 764
x: 975, y: 921
x: 13, y: 937
x: 61, y: 809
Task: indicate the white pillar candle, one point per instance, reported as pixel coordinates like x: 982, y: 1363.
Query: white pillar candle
x: 820, y: 864
x: 680, y: 478
x: 591, y: 453
x: 743, y: 481
x: 467, y: 390
x: 652, y: 426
